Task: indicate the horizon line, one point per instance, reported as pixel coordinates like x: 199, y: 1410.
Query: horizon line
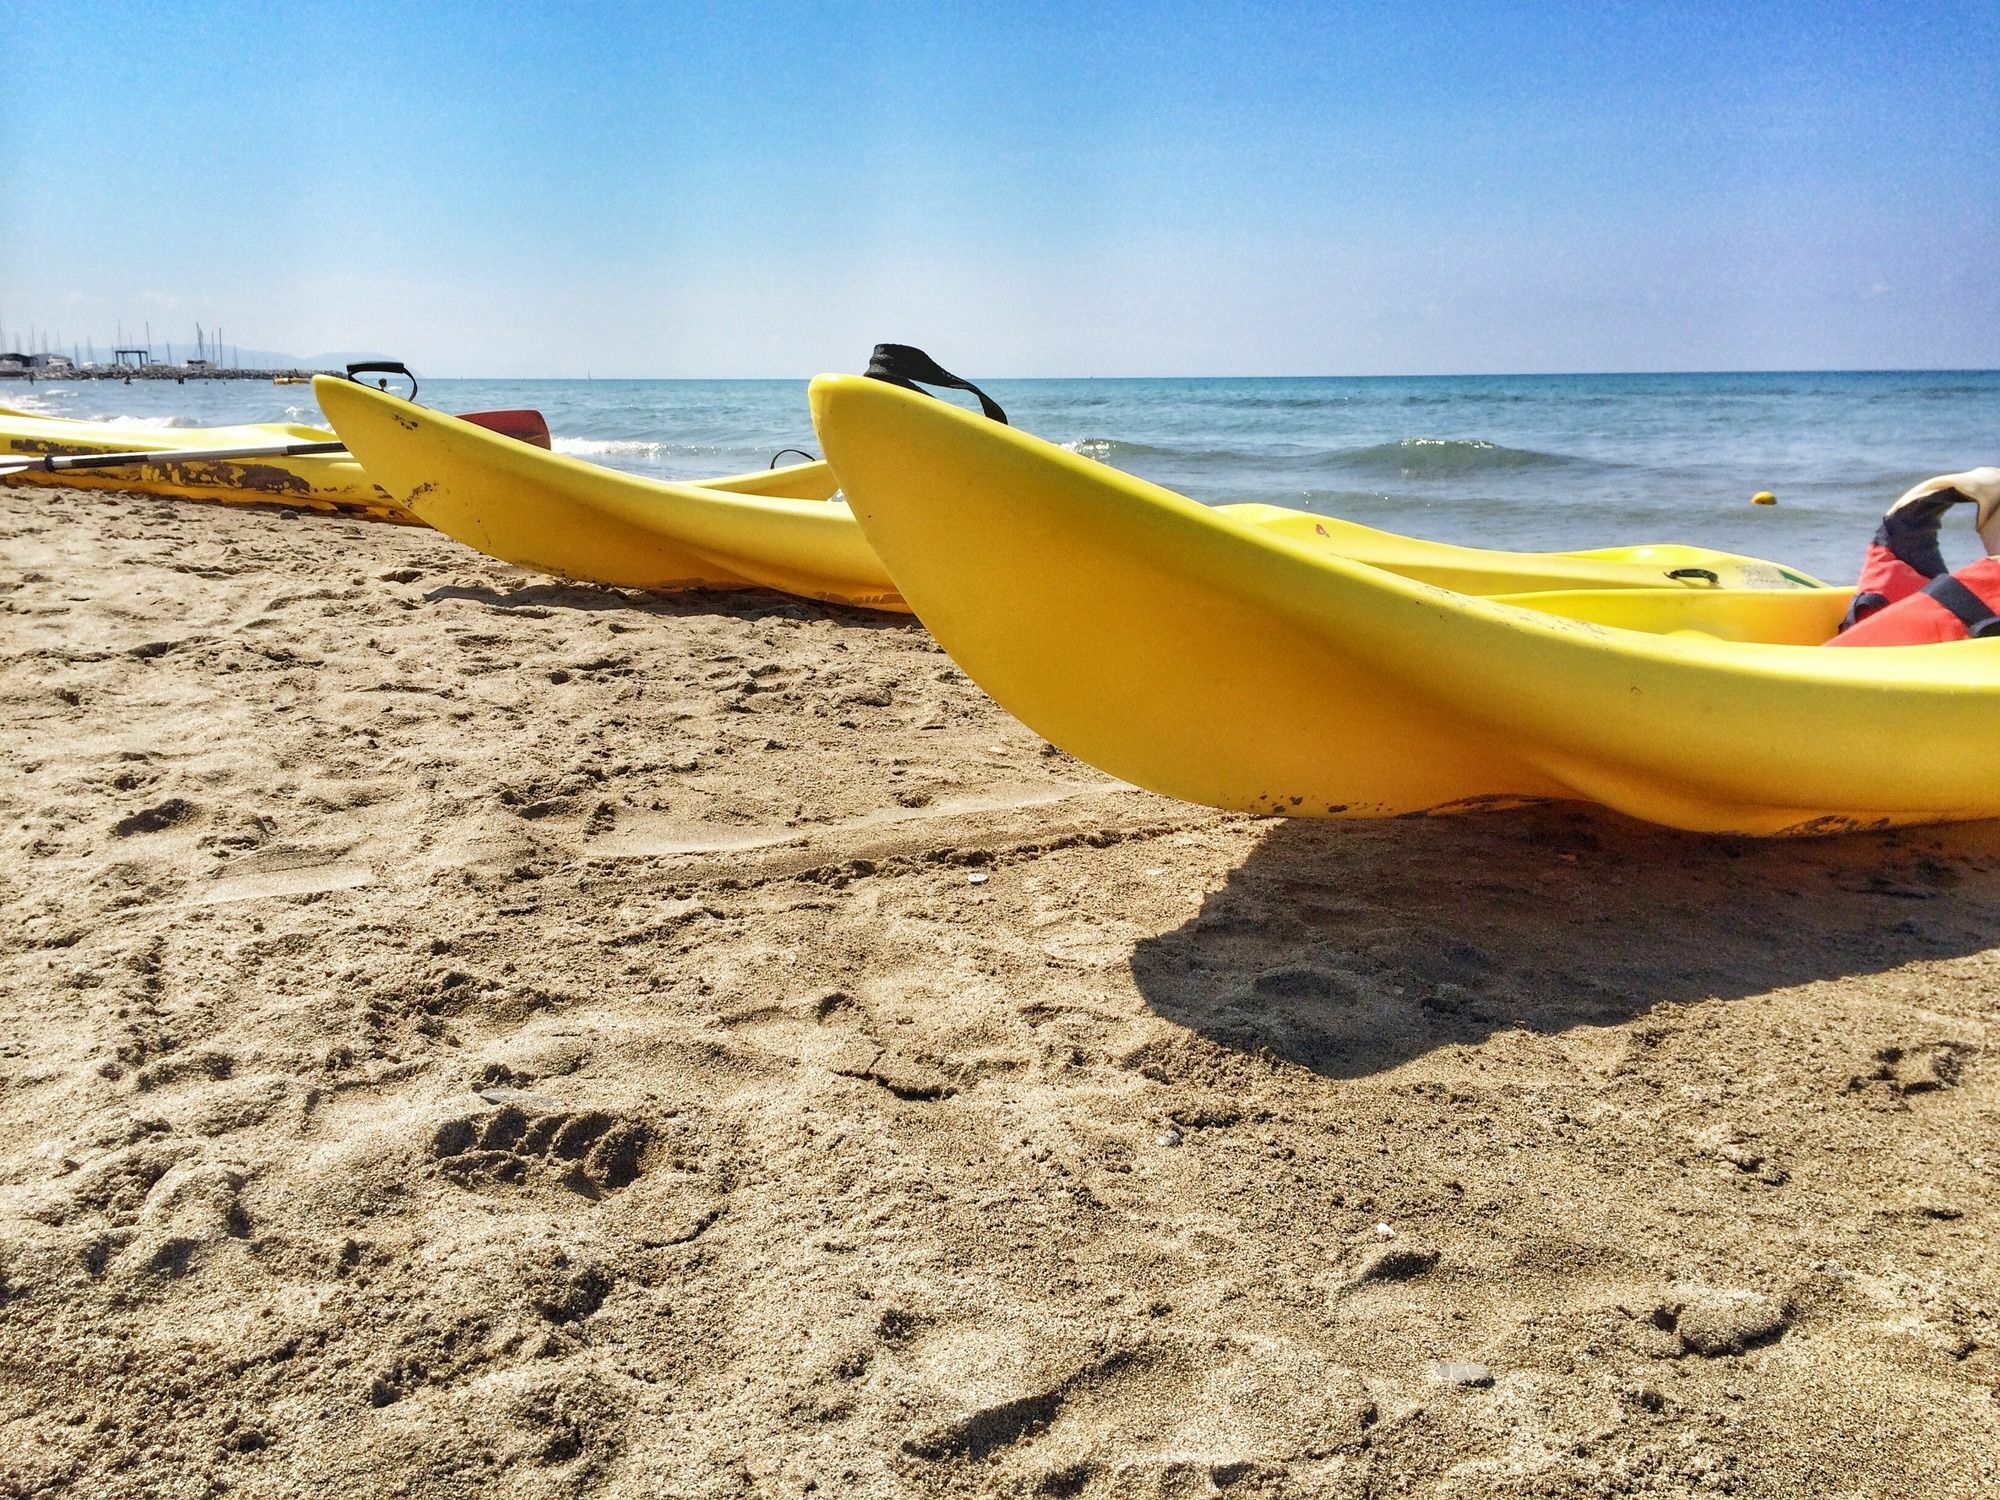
x: 1407, y: 375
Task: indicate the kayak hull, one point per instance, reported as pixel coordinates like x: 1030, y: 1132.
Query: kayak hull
x: 1211, y: 661
x: 321, y: 482
x: 778, y: 529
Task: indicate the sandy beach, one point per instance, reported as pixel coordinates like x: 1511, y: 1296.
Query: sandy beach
x: 471, y: 1035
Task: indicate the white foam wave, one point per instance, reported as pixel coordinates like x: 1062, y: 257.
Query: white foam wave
x: 1091, y: 447
x: 609, y: 448
x: 149, y: 424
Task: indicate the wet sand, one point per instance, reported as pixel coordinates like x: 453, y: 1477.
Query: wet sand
x: 466, y: 1035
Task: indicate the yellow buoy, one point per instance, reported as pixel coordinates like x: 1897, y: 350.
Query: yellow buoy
x: 1763, y: 497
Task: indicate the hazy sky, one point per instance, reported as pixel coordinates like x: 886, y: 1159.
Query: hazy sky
x: 1023, y: 189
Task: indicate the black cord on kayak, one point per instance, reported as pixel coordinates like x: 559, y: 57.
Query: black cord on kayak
x: 1702, y: 573
x: 384, y: 367
x: 811, y: 458
x: 904, y: 365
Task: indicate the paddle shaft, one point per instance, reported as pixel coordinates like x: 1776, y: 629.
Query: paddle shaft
x: 52, y: 464
x: 527, y: 426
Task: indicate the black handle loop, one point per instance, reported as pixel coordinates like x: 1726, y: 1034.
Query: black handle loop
x: 811, y: 458
x: 384, y: 367
x: 905, y: 365
x: 1704, y: 574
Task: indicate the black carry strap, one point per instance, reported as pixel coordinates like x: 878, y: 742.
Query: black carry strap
x: 1973, y: 612
x: 905, y: 365
x: 1911, y: 535
x: 383, y: 367
x: 1860, y: 607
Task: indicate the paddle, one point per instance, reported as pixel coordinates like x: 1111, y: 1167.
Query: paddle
x: 524, y: 424
x: 51, y: 464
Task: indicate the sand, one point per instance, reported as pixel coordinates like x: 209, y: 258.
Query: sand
x: 469, y: 1035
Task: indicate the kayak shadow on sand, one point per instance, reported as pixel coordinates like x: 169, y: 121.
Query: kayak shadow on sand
x: 1350, y: 948
x: 741, y: 604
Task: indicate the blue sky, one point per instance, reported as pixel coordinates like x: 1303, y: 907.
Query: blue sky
x: 1023, y: 189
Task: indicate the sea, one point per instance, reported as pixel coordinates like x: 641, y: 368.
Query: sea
x: 1514, y: 461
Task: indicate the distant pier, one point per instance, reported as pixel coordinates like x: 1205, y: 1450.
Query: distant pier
x: 178, y: 373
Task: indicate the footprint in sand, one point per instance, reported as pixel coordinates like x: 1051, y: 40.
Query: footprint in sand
x: 156, y: 819
x: 1895, y: 1073
x: 590, y: 1152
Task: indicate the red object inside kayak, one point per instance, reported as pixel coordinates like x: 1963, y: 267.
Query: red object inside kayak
x: 526, y: 424
x: 1955, y: 607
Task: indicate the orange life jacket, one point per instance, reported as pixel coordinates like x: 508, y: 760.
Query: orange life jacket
x: 1904, y: 596
x: 1950, y: 607
x: 1902, y: 557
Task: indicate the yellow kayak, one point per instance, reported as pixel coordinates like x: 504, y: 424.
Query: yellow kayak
x: 777, y: 528
x: 783, y: 529
x: 1238, y: 667
x: 1476, y: 570
x: 325, y: 482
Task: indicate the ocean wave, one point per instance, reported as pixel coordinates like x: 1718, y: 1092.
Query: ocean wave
x: 1440, y: 458
x: 1411, y: 458
x: 148, y: 424
x: 647, y: 456
x: 1939, y: 393
x: 1122, y: 450
x: 1264, y: 401
x: 1110, y: 450
x: 577, y: 447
